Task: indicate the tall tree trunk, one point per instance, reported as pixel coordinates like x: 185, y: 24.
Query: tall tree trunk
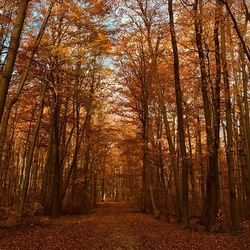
x: 155, y: 74
x: 234, y: 210
x: 200, y: 160
x: 30, y: 154
x: 87, y: 141
x: 55, y: 159
x: 211, y: 202
x: 6, y: 74
x: 244, y: 133
x: 171, y: 147
x: 181, y: 131
x: 246, y: 126
x: 51, y: 185
x: 237, y: 29
x: 192, y: 173
x: 146, y: 190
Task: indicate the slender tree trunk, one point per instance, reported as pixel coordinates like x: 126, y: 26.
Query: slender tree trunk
x: 87, y: 141
x: 154, y: 70
x: 246, y: 127
x: 72, y: 167
x: 6, y: 74
x: 146, y: 186
x: 234, y: 210
x: 192, y: 173
x: 30, y: 154
x: 244, y: 133
x: 181, y: 131
x: 55, y: 160
x: 200, y: 160
x: 211, y: 202
x: 237, y: 29
x: 171, y: 146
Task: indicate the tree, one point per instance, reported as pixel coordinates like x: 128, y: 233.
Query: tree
x: 6, y: 74
x: 181, y: 133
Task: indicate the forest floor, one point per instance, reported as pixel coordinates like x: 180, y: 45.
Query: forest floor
x: 114, y: 226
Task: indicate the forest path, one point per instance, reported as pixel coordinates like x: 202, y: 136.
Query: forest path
x: 113, y: 226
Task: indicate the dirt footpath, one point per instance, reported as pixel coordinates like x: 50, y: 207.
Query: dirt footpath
x: 113, y: 226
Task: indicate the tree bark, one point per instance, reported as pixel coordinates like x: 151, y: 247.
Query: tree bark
x: 6, y: 74
x: 30, y: 154
x: 237, y: 29
x: 234, y: 209
x: 181, y: 131
x: 211, y: 202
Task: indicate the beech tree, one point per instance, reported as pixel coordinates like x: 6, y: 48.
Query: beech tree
x: 6, y: 74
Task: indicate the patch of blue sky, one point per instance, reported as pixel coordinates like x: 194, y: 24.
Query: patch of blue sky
x: 109, y: 63
x: 33, y: 25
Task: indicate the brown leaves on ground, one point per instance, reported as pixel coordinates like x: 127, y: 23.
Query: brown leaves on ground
x: 114, y: 227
